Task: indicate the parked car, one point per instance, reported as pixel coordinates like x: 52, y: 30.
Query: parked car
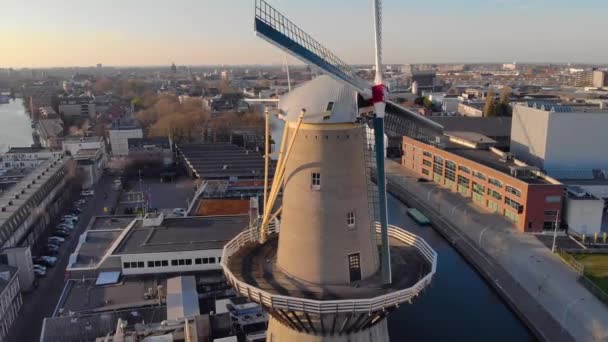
x: 62, y: 233
x: 68, y: 229
x: 40, y: 267
x: 56, y: 240
x: 422, y: 180
x: 52, y: 249
x: 179, y: 212
x: 66, y: 224
x: 76, y: 211
x: 88, y: 192
x: 46, y: 260
x: 70, y: 217
x: 39, y: 273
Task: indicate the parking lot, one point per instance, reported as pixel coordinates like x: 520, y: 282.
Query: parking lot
x: 41, y: 301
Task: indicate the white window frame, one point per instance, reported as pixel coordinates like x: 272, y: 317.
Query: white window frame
x: 315, y: 181
x: 351, y: 219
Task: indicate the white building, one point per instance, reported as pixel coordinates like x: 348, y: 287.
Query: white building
x: 584, y: 212
x: 90, y: 156
x: 10, y: 299
x: 27, y: 157
x: 73, y: 144
x: 157, y: 245
x: 558, y: 138
x: 120, y: 133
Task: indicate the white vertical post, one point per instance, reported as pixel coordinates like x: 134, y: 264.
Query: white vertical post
x: 555, y: 232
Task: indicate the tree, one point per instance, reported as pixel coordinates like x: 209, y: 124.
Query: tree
x: 505, y: 95
x: 503, y: 108
x: 103, y: 85
x: 428, y: 103
x: 488, y: 108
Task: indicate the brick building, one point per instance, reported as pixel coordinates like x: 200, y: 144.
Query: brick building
x: 492, y: 179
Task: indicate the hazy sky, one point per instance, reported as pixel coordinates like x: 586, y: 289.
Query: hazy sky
x: 36, y: 33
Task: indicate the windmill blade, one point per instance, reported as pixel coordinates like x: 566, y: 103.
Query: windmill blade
x: 275, y: 28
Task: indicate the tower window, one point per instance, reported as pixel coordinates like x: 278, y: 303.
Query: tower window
x: 350, y: 219
x: 316, y: 181
x: 327, y: 114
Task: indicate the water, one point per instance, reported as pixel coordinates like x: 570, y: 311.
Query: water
x: 459, y: 305
x: 15, y: 126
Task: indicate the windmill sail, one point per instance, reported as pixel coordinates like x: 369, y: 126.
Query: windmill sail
x: 275, y: 28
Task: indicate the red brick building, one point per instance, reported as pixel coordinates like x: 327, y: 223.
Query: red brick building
x: 492, y: 179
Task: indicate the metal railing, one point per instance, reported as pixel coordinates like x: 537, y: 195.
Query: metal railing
x: 330, y: 306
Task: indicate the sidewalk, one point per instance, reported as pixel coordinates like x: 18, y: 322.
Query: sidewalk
x: 534, y: 268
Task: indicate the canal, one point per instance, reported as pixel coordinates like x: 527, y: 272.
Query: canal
x: 458, y: 306
x: 15, y: 126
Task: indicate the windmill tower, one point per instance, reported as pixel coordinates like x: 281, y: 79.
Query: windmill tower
x: 328, y: 271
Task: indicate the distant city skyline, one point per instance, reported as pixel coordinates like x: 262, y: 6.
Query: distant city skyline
x: 65, y: 33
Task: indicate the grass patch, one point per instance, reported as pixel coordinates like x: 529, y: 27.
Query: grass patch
x: 596, y: 268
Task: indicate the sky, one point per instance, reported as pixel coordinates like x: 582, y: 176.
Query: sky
x: 46, y: 33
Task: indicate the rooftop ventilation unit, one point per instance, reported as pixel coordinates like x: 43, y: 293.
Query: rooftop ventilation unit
x: 576, y: 191
x: 523, y: 172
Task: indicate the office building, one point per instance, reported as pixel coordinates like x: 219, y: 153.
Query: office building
x: 122, y: 130
x: 27, y: 158
x: 26, y: 210
x: 560, y: 139
x: 77, y: 106
x: 154, y: 244
x: 10, y: 299
x: 469, y: 164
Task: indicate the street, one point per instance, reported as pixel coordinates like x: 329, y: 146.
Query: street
x: 41, y: 302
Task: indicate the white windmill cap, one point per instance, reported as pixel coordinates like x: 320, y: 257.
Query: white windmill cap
x: 325, y: 100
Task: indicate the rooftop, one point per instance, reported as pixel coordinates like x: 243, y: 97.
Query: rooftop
x: 87, y: 153
x: 21, y: 192
x: 84, y: 296
x: 88, y: 327
x: 182, y: 234
x: 27, y: 150
x: 488, y: 126
x: 223, y: 161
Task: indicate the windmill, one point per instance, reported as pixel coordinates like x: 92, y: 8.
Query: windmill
x: 281, y: 32
x: 317, y: 271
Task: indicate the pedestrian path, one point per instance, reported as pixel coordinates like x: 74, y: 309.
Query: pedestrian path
x: 527, y: 264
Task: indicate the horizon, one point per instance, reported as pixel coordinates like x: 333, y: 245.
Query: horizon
x: 125, y: 34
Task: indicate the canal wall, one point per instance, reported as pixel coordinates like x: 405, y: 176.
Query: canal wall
x: 539, y: 321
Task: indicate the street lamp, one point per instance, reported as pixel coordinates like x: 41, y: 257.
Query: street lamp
x: 481, y: 235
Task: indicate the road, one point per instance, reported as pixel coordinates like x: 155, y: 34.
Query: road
x: 545, y: 278
x: 41, y: 302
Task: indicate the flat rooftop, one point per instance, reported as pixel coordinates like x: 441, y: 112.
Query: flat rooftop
x: 222, y: 161
x: 182, y: 234
x: 255, y: 264
x: 83, y: 297
x: 491, y: 160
